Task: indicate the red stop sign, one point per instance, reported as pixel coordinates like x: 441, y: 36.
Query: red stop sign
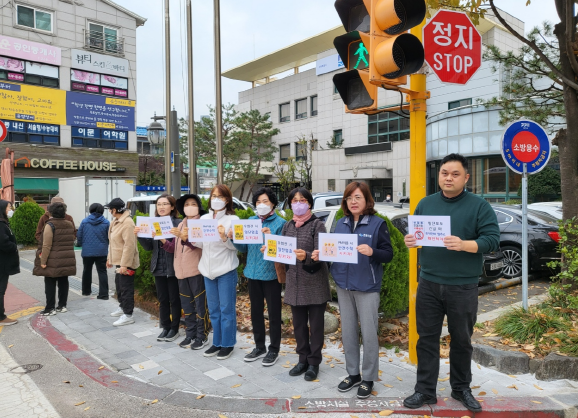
x: 453, y: 46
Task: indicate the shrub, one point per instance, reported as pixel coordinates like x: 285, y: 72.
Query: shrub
x: 563, y: 290
x: 531, y: 325
x: 144, y: 281
x: 25, y: 221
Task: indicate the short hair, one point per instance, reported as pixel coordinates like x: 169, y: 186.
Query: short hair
x: 226, y: 193
x: 57, y: 210
x: 174, y: 212
x: 265, y: 190
x: 303, y: 192
x: 364, y: 188
x: 96, y: 208
x: 456, y: 157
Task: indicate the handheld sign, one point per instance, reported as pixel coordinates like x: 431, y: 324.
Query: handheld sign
x: 203, y: 230
x: 341, y: 248
x: 143, y: 222
x: 162, y: 226
x: 247, y: 231
x: 430, y: 231
x: 524, y: 141
x: 280, y: 249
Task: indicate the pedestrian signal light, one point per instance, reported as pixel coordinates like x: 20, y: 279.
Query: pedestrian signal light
x: 358, y: 94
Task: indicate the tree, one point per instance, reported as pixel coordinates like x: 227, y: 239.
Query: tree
x: 151, y: 171
x: 286, y: 172
x: 304, y: 160
x: 543, y: 184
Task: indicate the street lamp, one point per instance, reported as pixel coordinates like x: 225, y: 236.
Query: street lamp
x: 155, y: 130
x: 172, y: 160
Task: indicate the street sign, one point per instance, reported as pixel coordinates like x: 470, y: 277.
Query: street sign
x: 3, y: 131
x: 524, y: 141
x: 453, y: 46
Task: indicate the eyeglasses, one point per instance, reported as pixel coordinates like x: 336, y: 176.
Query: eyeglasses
x: 217, y: 197
x: 163, y: 204
x: 299, y: 201
x: 355, y: 199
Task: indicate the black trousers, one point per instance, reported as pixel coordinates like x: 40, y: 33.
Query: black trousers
x: 170, y: 301
x: 125, y: 292
x: 460, y: 304
x: 270, y: 291
x: 194, y: 303
x: 3, y: 287
x: 50, y: 291
x: 100, y: 263
x: 309, y: 338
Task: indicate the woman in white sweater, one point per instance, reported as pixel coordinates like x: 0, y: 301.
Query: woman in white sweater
x: 218, y: 265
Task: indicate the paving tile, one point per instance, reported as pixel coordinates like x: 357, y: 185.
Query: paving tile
x: 142, y: 334
x: 220, y: 373
x: 127, y: 354
x: 146, y: 365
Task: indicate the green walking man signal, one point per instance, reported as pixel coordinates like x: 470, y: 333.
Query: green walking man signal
x: 362, y: 51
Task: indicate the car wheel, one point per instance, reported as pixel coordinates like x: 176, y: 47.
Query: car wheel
x: 512, y: 262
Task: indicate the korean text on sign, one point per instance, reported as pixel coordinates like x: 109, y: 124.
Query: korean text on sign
x: 161, y: 226
x: 247, y: 231
x: 430, y: 231
x: 338, y: 247
x: 203, y: 230
x: 280, y: 249
x: 143, y: 222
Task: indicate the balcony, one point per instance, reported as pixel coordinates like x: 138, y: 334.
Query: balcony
x: 105, y: 43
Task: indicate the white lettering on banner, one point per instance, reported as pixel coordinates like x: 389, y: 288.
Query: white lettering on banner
x: 442, y: 39
x: 91, y: 61
x: 72, y: 165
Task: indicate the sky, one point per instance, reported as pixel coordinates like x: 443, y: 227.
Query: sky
x: 249, y: 29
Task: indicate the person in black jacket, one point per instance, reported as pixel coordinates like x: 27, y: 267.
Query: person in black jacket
x: 9, y: 259
x: 162, y: 268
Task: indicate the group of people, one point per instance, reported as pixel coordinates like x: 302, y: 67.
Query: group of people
x: 201, y: 278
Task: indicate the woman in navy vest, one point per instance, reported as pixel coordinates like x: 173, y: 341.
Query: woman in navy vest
x: 359, y: 286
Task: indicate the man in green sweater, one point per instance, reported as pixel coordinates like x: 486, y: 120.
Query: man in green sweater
x: 448, y: 283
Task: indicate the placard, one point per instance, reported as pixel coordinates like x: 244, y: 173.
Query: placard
x: 341, y: 248
x: 143, y: 223
x: 247, y: 231
x: 280, y: 249
x: 162, y: 226
x: 203, y: 230
x: 429, y: 231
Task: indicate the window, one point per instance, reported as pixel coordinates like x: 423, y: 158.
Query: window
x: 34, y: 18
x: 284, y: 113
x: 268, y: 114
x: 335, y: 91
x: 459, y: 103
x: 331, y: 185
x: 322, y: 215
x: 301, y: 109
x: 30, y: 132
x: 332, y: 202
x: 313, y: 105
x: 338, y: 136
x: 503, y: 218
x: 27, y: 72
x: 401, y: 224
x: 301, y: 150
x: 387, y: 127
x: 284, y: 152
x: 104, y: 38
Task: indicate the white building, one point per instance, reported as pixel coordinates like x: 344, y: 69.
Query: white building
x: 375, y: 149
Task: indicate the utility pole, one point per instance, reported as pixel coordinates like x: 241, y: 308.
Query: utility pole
x: 191, y: 135
x: 176, y: 160
x: 169, y: 128
x: 218, y: 105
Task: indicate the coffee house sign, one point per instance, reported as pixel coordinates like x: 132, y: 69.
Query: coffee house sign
x: 66, y: 164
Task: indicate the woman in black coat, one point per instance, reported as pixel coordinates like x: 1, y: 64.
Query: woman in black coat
x: 9, y: 259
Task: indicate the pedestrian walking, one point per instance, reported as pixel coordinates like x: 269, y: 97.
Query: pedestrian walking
x: 448, y: 283
x: 263, y: 282
x: 123, y: 255
x: 359, y: 286
x: 9, y: 258
x: 218, y: 266
x: 44, y: 218
x: 92, y: 237
x: 164, y: 272
x: 55, y: 258
x: 190, y: 280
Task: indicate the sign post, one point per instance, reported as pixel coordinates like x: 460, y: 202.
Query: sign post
x: 3, y: 131
x: 526, y: 149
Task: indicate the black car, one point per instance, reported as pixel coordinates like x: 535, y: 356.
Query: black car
x: 543, y: 238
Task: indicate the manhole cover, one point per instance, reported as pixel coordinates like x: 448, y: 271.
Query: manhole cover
x: 26, y: 368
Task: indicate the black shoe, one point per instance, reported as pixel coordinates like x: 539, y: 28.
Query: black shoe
x: 61, y: 309
x: 163, y: 335
x: 199, y: 343
x: 417, y: 400
x: 311, y: 373
x: 186, y: 343
x: 299, y: 369
x: 257, y: 353
x: 349, y: 383
x: 86, y: 294
x: 270, y: 359
x: 225, y: 353
x: 212, y: 351
x: 48, y: 312
x: 467, y: 399
x: 364, y: 389
x: 172, y: 335
x: 102, y: 297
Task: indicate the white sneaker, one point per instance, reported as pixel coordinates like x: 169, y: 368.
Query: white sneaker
x: 118, y: 312
x: 123, y: 320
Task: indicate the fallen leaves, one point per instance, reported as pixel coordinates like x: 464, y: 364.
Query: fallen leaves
x: 296, y: 397
x: 68, y: 381
x: 495, y: 391
x: 385, y: 413
x: 536, y: 401
x: 160, y: 371
x: 399, y: 378
x: 387, y: 386
x: 538, y: 387
x: 87, y: 408
x: 236, y: 386
x: 482, y: 393
x: 512, y: 387
x: 512, y: 376
x: 114, y: 381
x: 80, y: 403
x: 475, y: 387
x: 11, y: 345
x: 443, y: 379
x: 201, y: 396
x: 155, y: 401
x: 222, y: 416
x: 374, y: 392
x: 141, y: 366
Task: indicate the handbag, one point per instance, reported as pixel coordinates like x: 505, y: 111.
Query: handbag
x: 281, y: 271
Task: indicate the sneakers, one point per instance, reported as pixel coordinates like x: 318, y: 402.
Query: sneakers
x: 417, y: 400
x: 61, y: 309
x: 225, y: 353
x: 270, y: 359
x: 48, y: 312
x: 199, y: 343
x: 349, y: 383
x: 7, y: 321
x: 186, y: 343
x: 162, y: 336
x: 172, y: 335
x: 102, y: 297
x: 123, y: 320
x: 213, y: 351
x: 118, y: 312
x: 364, y: 390
x: 255, y: 354
x: 467, y: 399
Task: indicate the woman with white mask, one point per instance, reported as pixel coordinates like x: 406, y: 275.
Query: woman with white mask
x: 9, y: 259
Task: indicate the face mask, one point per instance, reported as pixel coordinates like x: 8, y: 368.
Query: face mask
x: 218, y: 204
x: 299, y: 208
x: 10, y: 213
x: 191, y: 210
x: 263, y: 209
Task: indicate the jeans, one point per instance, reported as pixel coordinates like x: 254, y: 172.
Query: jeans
x: 270, y: 291
x: 100, y: 263
x: 50, y: 291
x: 460, y: 304
x: 170, y: 302
x: 194, y: 303
x: 222, y: 299
x: 125, y: 292
x: 3, y: 286
x: 310, y: 337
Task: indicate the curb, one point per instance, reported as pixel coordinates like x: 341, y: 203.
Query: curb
x: 557, y: 406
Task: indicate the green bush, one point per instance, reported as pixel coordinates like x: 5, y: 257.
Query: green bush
x: 25, y: 221
x: 144, y: 281
x: 564, y: 289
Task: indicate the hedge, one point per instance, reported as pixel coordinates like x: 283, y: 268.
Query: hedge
x: 25, y: 221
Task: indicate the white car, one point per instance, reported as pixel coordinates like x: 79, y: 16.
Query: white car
x: 551, y: 208
x: 396, y: 214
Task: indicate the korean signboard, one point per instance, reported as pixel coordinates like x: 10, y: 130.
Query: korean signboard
x: 31, y: 51
x: 91, y: 111
x: 33, y: 104
x: 90, y: 61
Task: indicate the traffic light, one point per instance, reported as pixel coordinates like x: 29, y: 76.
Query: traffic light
x: 376, y: 49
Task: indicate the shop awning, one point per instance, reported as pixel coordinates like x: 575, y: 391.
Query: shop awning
x: 35, y: 185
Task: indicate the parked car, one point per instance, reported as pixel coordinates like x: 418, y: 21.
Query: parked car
x: 551, y: 208
x: 543, y: 238
x: 320, y: 200
x: 146, y: 204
